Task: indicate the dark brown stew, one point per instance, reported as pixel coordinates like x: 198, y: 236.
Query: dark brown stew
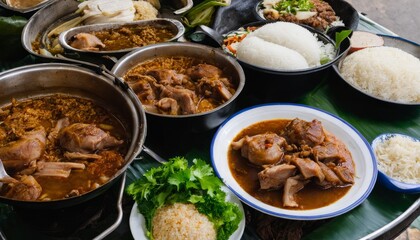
x: 58, y: 147
x: 313, y: 193
x: 180, y: 85
x: 125, y: 37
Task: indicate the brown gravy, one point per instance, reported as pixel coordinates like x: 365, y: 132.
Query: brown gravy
x: 133, y: 36
x: 19, y: 117
x: 245, y: 173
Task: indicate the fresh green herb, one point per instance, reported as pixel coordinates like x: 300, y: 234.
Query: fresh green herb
x: 293, y: 6
x: 174, y: 182
x: 324, y: 60
x: 202, y: 14
x: 340, y: 36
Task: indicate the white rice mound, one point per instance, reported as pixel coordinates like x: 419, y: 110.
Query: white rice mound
x: 258, y: 52
x: 385, y: 72
x: 292, y: 36
x: 399, y: 158
x: 181, y: 222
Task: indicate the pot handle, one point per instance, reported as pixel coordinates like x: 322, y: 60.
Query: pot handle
x: 203, y: 31
x: 100, y: 69
x: 154, y: 155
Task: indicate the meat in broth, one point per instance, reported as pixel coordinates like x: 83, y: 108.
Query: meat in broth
x: 124, y: 37
x: 291, y: 164
x: 180, y: 85
x: 58, y: 147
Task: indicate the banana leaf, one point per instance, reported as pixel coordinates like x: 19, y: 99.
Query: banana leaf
x: 370, y: 118
x: 10, y: 32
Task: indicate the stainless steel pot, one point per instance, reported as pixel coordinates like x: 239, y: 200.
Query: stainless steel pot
x: 55, y: 78
x: 65, y: 37
x: 199, y: 122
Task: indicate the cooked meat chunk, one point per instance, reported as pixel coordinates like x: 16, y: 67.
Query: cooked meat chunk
x: 3, y: 134
x: 144, y: 90
x: 301, y: 132
x: 184, y: 97
x: 168, y: 105
x: 261, y: 149
x: 204, y: 70
x: 61, y: 123
x: 344, y: 174
x: 167, y: 77
x: 215, y: 88
x: 275, y: 177
x: 26, y: 189
x: 308, y: 168
x: 332, y: 150
x: 86, y: 41
x: 86, y: 138
x: 77, y: 155
x: 292, y: 186
x: 57, y: 169
x: 331, y: 179
x: 19, y: 154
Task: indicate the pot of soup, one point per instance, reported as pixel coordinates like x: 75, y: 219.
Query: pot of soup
x: 66, y: 134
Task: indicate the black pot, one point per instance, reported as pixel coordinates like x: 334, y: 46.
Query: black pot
x: 344, y: 10
x: 289, y: 85
x: 55, y: 78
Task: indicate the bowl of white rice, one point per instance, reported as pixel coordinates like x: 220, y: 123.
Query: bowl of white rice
x: 282, y: 60
x: 398, y: 159
x: 389, y: 73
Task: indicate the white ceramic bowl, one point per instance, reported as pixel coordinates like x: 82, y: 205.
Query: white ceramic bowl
x: 363, y: 157
x: 388, y: 181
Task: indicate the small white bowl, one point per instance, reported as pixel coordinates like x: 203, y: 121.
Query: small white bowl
x: 363, y: 157
x: 388, y: 181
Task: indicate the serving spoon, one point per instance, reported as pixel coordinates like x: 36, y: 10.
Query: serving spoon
x: 4, y: 177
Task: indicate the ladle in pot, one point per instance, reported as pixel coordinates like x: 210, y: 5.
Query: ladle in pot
x: 4, y: 177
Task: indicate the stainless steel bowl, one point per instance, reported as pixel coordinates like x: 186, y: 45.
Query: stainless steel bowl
x: 27, y: 9
x: 355, y: 91
x: 194, y: 122
x: 55, y: 78
x: 66, y: 36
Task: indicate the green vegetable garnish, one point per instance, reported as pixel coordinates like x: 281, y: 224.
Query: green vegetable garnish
x: 293, y: 6
x: 174, y: 182
x: 202, y: 13
x: 340, y: 36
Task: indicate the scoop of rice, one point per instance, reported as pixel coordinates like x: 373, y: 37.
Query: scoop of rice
x: 399, y: 158
x: 183, y: 222
x: 261, y: 53
x: 385, y: 72
x: 292, y: 36
x: 144, y: 10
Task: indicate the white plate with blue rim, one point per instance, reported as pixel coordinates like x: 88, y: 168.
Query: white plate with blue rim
x: 389, y: 181
x: 361, y: 151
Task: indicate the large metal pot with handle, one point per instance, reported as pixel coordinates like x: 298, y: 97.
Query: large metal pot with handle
x: 110, y: 94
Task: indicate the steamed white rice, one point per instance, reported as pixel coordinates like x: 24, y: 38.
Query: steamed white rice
x: 399, y: 158
x: 385, y: 72
x: 259, y: 52
x: 181, y: 222
x: 292, y: 36
x: 284, y: 46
